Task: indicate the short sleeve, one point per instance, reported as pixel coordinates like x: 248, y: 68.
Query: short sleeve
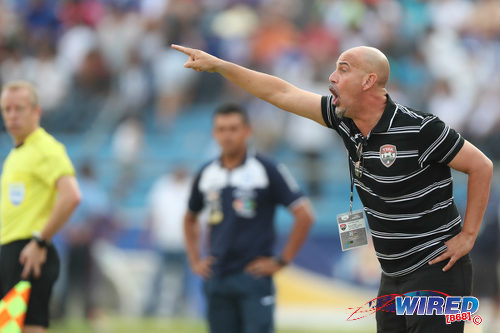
x: 439, y: 143
x: 54, y: 165
x: 195, y: 202
x: 328, y: 112
x: 285, y: 189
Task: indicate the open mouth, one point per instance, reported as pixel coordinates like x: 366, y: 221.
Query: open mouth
x: 335, y: 94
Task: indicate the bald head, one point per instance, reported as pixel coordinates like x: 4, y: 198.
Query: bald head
x: 370, y: 60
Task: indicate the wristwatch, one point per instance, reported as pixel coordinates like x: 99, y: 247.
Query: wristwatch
x: 280, y: 261
x: 42, y: 243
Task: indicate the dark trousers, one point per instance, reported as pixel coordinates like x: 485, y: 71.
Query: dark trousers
x: 41, y: 288
x: 455, y: 282
x: 173, y: 263
x: 77, y: 286
x: 240, y: 303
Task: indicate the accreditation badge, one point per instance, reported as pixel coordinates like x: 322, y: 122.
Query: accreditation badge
x: 352, y: 230
x: 215, y: 215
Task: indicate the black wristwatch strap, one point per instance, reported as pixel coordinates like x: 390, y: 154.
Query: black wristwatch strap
x: 42, y: 243
x: 281, y: 261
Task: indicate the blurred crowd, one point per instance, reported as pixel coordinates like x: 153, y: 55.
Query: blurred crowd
x: 444, y: 54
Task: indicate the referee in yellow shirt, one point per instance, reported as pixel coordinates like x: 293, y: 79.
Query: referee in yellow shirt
x: 39, y: 192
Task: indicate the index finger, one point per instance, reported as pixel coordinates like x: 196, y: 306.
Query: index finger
x: 26, y: 271
x: 253, y: 270
x: 449, y: 265
x: 442, y: 257
x: 186, y: 50
x: 210, y: 260
x: 37, y: 270
x: 250, y: 265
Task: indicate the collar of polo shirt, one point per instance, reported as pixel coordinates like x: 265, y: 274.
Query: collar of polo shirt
x: 385, y: 121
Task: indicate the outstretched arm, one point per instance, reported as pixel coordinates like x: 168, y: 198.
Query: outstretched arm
x: 266, y: 87
x: 479, y: 168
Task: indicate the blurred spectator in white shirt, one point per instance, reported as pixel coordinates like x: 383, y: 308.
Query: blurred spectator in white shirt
x: 448, y: 106
x: 118, y: 33
x: 167, y: 202
x: 133, y: 85
x: 127, y: 144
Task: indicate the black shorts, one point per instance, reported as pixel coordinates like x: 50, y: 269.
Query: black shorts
x: 41, y: 288
x: 485, y: 280
x: 455, y: 282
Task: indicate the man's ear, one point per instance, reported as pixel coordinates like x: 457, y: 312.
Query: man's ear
x: 369, y: 81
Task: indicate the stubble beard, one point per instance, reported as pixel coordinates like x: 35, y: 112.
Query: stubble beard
x: 340, y: 112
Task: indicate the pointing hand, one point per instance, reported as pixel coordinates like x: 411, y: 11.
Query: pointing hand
x: 198, y: 60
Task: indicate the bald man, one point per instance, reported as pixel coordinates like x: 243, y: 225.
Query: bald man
x: 399, y: 161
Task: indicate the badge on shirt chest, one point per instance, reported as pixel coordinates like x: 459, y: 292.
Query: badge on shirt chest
x: 352, y: 230
x: 215, y: 214
x: 17, y: 192
x: 244, y: 203
x: 388, y: 154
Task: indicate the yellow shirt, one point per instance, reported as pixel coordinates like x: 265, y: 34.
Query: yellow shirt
x: 28, y: 192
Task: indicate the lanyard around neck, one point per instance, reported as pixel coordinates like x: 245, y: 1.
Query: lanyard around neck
x: 351, y: 176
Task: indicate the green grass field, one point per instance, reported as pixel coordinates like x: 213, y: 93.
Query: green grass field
x: 127, y: 325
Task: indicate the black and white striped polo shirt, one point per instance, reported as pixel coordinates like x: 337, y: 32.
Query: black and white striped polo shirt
x: 406, y: 185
